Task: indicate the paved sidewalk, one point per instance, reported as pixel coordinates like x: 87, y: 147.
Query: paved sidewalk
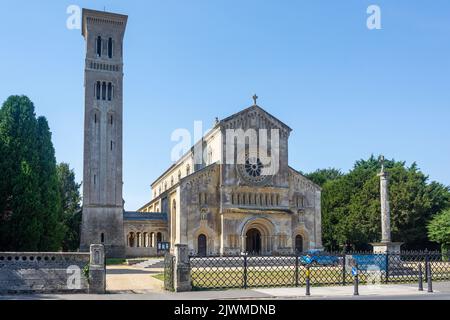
x: 385, y: 292
x: 125, y: 282
x: 133, y: 279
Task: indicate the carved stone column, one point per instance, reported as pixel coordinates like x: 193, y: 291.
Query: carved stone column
x: 243, y: 244
x: 385, y: 208
x: 386, y: 245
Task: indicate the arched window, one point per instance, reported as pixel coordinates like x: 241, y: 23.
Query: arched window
x: 131, y: 241
x: 102, y: 238
x: 109, y: 91
x: 158, y: 237
x: 298, y: 243
x: 98, y: 90
x: 110, y: 48
x: 104, y: 91
x: 202, y: 245
x: 99, y: 46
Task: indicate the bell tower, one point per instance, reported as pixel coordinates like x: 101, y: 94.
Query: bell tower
x: 102, y: 221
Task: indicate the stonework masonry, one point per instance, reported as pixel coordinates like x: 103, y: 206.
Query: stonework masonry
x: 48, y: 272
x: 217, y: 208
x: 102, y: 220
x: 202, y: 202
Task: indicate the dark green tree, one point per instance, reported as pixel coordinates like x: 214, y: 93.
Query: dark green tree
x: 30, y: 213
x: 439, y: 229
x: 69, y: 191
x: 321, y: 176
x: 51, y: 212
x: 20, y: 203
x: 351, y: 205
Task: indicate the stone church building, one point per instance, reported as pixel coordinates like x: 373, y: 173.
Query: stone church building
x: 214, y: 205
x: 221, y: 208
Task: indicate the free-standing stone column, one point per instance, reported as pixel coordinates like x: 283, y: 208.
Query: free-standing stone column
x: 385, y: 207
x: 385, y: 245
x: 97, y: 271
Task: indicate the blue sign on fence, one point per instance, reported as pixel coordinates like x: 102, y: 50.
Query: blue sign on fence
x: 163, y: 246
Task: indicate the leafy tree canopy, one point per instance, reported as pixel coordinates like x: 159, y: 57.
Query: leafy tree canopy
x: 439, y: 229
x: 351, y: 204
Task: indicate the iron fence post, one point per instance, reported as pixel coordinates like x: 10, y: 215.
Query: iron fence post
x: 429, y: 276
x: 343, y: 271
x: 387, y: 266
x: 296, y: 270
x: 308, y: 282
x: 356, y: 281
x: 245, y: 271
x: 420, y: 277
x: 426, y: 266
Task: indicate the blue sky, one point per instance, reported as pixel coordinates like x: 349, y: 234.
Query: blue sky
x: 346, y: 91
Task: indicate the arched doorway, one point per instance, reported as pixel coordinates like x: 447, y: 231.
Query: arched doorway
x: 201, y: 245
x: 158, y: 237
x: 131, y: 240
x: 298, y: 243
x: 253, y: 241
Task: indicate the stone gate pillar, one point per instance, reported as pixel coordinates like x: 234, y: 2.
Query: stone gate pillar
x: 182, y: 269
x: 97, y: 269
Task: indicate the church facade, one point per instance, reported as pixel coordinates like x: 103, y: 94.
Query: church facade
x: 233, y: 192
x: 223, y: 208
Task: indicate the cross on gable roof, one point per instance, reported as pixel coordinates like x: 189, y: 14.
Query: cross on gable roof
x: 258, y: 109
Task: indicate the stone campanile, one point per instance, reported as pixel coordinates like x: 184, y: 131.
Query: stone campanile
x: 102, y: 221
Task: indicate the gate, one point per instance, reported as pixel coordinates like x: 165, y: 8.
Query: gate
x: 169, y: 262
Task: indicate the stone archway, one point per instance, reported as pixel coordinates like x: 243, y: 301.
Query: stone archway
x: 298, y: 243
x: 253, y: 241
x: 202, y: 245
x: 210, y: 235
x: 257, y: 236
x: 300, y: 240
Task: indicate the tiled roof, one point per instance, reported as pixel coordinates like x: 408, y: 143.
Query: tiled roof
x: 133, y: 215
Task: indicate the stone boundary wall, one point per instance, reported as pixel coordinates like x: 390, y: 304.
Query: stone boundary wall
x: 46, y: 272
